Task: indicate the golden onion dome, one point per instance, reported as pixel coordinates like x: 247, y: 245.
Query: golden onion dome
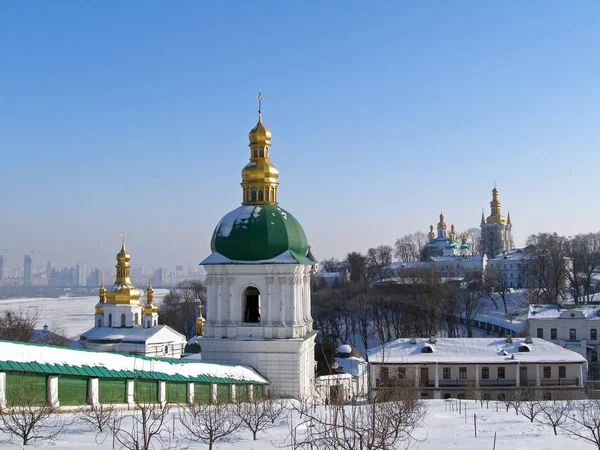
x: 259, y: 134
x: 123, y: 256
x: 99, y: 309
x: 262, y: 171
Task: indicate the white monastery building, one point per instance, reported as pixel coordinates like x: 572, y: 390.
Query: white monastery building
x: 467, y: 367
x: 124, y: 325
x: 258, y: 282
x: 575, y: 328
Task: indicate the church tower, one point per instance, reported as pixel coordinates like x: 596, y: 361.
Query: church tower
x: 258, y: 307
x: 496, y: 230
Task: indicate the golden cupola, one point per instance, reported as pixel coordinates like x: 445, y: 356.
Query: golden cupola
x: 150, y: 307
x: 259, y: 176
x: 431, y: 233
x: 102, y: 295
x: 452, y: 234
x: 123, y: 292
x: 495, y: 217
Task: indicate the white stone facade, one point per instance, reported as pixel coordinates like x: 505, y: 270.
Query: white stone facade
x: 278, y: 340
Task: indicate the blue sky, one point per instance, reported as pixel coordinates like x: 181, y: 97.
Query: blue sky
x: 134, y: 116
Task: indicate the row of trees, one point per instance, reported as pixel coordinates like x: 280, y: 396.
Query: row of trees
x: 560, y: 266
x: 422, y: 304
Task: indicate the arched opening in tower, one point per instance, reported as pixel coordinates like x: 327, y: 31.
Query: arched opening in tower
x: 252, y: 305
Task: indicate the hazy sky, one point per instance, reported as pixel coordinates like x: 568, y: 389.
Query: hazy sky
x: 134, y: 116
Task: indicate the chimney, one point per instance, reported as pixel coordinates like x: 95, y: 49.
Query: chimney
x: 432, y: 339
x: 509, y: 339
x: 413, y: 340
x: 528, y: 340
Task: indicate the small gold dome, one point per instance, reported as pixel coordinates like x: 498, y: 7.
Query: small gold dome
x: 99, y: 309
x: 260, y: 134
x: 262, y: 171
x: 123, y: 256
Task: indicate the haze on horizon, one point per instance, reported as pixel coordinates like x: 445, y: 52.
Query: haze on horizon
x: 134, y: 117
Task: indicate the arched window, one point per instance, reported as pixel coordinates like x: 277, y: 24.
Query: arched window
x: 261, y: 196
x: 256, y: 153
x: 251, y: 305
x: 253, y: 194
x: 110, y: 320
x: 136, y: 318
x: 99, y: 323
x: 272, y: 194
x: 122, y: 320
x: 262, y: 152
x: 166, y: 349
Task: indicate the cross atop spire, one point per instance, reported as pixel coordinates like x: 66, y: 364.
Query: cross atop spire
x: 260, y: 99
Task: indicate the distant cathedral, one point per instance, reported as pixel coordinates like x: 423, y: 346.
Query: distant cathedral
x: 445, y: 243
x: 496, y: 230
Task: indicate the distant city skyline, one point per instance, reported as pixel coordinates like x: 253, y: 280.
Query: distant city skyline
x: 134, y: 117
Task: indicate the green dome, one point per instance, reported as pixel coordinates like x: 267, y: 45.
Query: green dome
x: 259, y: 233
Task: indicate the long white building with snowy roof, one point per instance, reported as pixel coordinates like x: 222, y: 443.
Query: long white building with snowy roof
x: 466, y: 367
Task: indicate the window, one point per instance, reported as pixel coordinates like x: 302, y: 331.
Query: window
x: 426, y: 349
x: 594, y: 355
x: 256, y: 153
x: 573, y: 334
x: 136, y: 318
x: 485, y: 373
x: 462, y: 373
x: 252, y: 305
x: 260, y: 195
x: 501, y: 373
x: 562, y: 371
x: 446, y: 373
x: 402, y: 373
x: 547, y: 396
x: 384, y: 373
x: 110, y: 320
x: 253, y: 196
x: 553, y: 334
x: 122, y: 320
x: 540, y: 333
x: 99, y: 323
x: 487, y: 397
x: 166, y: 349
x: 547, y: 372
x: 593, y: 334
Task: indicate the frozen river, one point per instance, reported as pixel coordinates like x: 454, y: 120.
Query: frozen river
x: 69, y: 316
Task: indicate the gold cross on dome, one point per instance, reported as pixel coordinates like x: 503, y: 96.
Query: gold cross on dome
x: 260, y: 99
x: 149, y: 278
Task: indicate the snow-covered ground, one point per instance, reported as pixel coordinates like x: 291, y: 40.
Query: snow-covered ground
x: 442, y: 428
x: 69, y: 316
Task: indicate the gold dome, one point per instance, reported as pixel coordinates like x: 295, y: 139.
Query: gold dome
x: 259, y: 176
x: 123, y: 291
x: 99, y: 309
x: 123, y: 256
x: 259, y: 135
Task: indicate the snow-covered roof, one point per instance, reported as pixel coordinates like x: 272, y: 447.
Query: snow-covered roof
x: 555, y: 312
x: 472, y: 350
x: 138, y: 334
x: 31, y: 357
x: 353, y: 366
x: 284, y: 258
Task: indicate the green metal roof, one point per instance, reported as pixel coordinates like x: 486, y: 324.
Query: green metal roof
x: 103, y: 372
x: 259, y: 233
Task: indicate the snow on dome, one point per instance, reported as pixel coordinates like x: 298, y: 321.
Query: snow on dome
x: 345, y: 348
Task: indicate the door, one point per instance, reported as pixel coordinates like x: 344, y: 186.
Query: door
x: 424, y: 376
x: 523, y: 376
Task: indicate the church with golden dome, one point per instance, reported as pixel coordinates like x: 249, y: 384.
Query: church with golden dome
x: 445, y: 243
x: 496, y: 230
x: 258, y: 282
x: 122, y: 324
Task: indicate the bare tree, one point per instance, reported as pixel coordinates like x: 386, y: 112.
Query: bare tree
x: 259, y: 415
x: 584, y: 421
x: 97, y: 416
x: 471, y: 300
x: 474, y: 240
x: 384, y: 424
x: 532, y: 404
x: 358, y: 266
x: 179, y: 307
x: 584, y: 251
x: 18, y: 325
x: 555, y: 414
x: 28, y: 418
x: 210, y: 423
x: 330, y: 264
x: 546, y: 267
x: 147, y: 428
x: 409, y: 248
x: 377, y: 259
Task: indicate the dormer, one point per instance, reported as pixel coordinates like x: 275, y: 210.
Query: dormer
x: 427, y: 349
x: 572, y: 314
